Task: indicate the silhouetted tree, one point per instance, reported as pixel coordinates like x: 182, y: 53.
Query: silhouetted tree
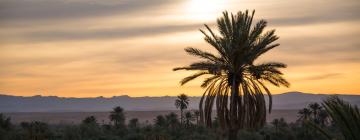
x: 182, y: 103
x: 5, y: 126
x: 304, y: 114
x: 133, y: 123
x: 323, y: 117
x: 315, y: 109
x: 118, y: 117
x: 90, y: 129
x: 197, y: 115
x: 160, y: 121
x: 36, y: 130
x: 279, y: 123
x: 233, y: 72
x: 172, y: 120
x: 90, y: 120
x: 188, y: 118
x: 5, y: 122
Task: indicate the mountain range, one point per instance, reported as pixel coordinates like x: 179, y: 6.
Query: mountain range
x: 8, y: 103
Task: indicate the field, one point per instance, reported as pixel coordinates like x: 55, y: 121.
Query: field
x: 102, y: 117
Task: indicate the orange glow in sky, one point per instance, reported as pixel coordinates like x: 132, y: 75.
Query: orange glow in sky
x: 89, y: 48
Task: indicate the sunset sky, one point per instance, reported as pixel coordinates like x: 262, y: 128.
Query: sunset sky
x: 90, y: 48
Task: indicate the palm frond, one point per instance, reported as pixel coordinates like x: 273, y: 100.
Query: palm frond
x: 192, y: 77
x: 345, y: 116
x: 202, y: 54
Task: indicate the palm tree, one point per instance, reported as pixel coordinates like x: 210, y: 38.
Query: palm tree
x: 118, y: 117
x: 5, y: 122
x: 235, y: 80
x: 315, y: 109
x: 160, y: 121
x: 133, y: 123
x: 197, y: 115
x: 188, y: 118
x: 323, y: 117
x: 90, y: 120
x: 182, y: 102
x: 172, y: 120
x: 36, y: 130
x: 275, y: 123
x: 304, y: 114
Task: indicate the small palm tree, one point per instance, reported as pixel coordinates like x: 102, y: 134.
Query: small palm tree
x: 5, y: 122
x: 323, y: 117
x: 236, y: 82
x: 188, y: 118
x: 275, y: 123
x: 182, y: 103
x: 172, y: 120
x: 90, y: 120
x: 315, y: 109
x: 133, y: 123
x: 304, y: 114
x: 279, y: 123
x: 118, y: 117
x: 160, y: 121
x: 197, y: 115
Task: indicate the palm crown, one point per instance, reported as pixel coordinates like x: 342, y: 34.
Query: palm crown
x: 117, y: 115
x: 233, y: 72
x: 182, y: 102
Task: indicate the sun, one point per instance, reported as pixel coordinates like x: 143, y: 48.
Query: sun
x: 204, y: 9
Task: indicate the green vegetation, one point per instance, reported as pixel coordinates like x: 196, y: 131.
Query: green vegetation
x: 341, y: 123
x: 345, y: 116
x: 235, y: 81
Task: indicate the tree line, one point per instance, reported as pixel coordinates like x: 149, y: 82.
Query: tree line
x: 315, y: 122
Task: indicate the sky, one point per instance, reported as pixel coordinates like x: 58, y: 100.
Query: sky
x: 91, y: 48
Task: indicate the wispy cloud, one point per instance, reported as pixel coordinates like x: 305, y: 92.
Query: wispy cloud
x: 323, y: 76
x: 22, y: 10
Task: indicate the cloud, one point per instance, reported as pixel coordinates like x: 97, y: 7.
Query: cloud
x: 55, y: 35
x: 343, y: 14
x: 20, y: 10
x: 323, y: 76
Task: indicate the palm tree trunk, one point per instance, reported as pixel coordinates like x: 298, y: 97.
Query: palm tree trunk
x: 181, y: 117
x: 233, y: 128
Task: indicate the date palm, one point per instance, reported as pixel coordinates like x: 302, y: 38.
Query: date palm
x: 323, y: 117
x: 197, y: 115
x: 182, y: 103
x: 315, y: 109
x: 118, y: 117
x: 188, y: 118
x: 235, y: 82
x: 304, y: 114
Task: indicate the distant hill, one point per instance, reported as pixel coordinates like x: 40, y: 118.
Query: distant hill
x: 290, y: 100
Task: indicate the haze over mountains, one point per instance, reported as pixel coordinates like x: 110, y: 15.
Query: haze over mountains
x: 290, y: 100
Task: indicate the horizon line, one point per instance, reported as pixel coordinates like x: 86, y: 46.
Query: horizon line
x: 35, y: 95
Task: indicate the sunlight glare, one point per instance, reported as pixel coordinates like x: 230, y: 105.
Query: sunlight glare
x: 204, y: 9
